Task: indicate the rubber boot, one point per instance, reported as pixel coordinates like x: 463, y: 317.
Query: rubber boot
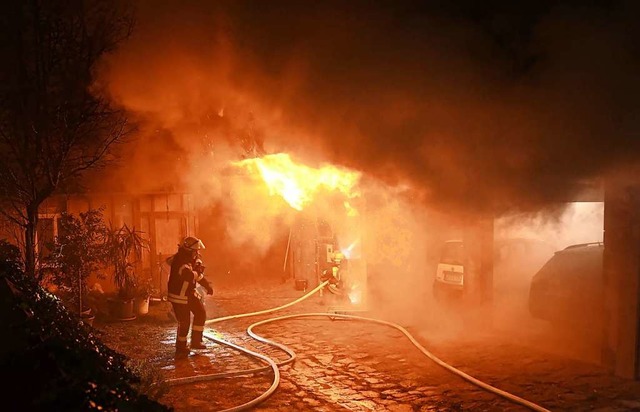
x: 181, y: 350
x: 196, y: 340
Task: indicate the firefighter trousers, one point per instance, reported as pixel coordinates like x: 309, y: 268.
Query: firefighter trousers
x: 183, y: 315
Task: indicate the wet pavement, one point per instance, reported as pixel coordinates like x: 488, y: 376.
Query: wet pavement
x: 356, y: 366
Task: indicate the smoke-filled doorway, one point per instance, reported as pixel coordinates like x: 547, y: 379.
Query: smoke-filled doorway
x: 548, y: 280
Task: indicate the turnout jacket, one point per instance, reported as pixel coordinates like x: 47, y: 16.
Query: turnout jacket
x: 183, y: 279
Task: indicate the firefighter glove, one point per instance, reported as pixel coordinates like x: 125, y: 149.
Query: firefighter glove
x: 199, y: 266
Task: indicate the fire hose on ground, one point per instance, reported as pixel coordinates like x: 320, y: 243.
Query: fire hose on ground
x: 274, y: 366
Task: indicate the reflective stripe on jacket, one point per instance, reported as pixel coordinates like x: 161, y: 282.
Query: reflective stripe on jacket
x: 182, y: 280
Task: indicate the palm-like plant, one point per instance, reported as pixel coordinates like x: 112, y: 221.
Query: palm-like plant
x: 124, y: 251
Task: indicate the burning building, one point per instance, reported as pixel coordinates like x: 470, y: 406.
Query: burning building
x: 325, y: 235
x: 464, y: 113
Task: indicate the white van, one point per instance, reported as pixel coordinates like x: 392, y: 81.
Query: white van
x: 450, y: 271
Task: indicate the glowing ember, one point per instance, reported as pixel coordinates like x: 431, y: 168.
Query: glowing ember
x: 297, y: 183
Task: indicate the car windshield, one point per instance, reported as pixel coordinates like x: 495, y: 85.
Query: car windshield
x: 453, y: 253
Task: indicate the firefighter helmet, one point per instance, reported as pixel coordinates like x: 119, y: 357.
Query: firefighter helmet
x: 192, y: 243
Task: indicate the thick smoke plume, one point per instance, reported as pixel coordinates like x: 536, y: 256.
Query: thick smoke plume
x: 461, y: 110
x: 478, y: 110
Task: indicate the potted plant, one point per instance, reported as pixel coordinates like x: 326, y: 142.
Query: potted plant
x: 124, y: 247
x: 143, y: 290
x: 76, y: 253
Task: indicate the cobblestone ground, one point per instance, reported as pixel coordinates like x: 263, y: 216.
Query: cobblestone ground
x: 356, y: 366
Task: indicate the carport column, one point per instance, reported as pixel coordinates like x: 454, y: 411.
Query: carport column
x: 478, y: 277
x: 621, y: 273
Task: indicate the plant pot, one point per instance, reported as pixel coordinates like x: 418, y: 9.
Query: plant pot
x: 142, y: 306
x: 122, y: 309
x: 87, y: 318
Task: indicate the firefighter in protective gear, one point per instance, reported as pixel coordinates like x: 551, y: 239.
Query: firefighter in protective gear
x: 183, y: 296
x: 332, y: 273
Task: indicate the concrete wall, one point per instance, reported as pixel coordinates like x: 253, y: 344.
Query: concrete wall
x: 621, y: 273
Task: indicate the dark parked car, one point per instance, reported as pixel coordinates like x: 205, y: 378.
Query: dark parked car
x: 568, y: 288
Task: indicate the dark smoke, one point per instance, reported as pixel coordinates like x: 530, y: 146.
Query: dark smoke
x: 459, y: 106
x: 503, y: 105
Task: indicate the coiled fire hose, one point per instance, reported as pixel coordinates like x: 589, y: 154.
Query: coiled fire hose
x: 274, y: 366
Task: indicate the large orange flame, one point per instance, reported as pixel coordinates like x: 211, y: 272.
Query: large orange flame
x: 297, y: 184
